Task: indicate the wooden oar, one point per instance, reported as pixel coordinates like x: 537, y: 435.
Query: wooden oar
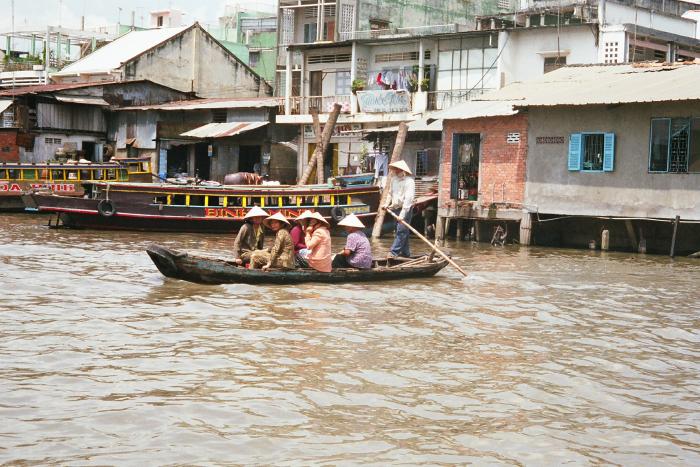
x: 436, y: 249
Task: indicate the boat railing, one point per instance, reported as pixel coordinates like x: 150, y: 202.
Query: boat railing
x: 63, y: 173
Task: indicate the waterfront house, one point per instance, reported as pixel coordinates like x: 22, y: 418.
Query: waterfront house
x: 606, y: 147
x: 41, y: 123
x: 207, y: 138
x: 188, y: 59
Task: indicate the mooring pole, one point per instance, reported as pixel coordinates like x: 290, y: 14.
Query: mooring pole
x: 395, y: 157
x: 322, y: 140
x: 673, y: 238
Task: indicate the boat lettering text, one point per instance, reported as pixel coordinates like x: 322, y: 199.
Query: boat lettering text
x: 10, y: 187
x: 238, y: 213
x: 65, y: 187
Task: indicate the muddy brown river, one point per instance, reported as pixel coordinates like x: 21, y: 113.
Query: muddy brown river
x: 539, y: 357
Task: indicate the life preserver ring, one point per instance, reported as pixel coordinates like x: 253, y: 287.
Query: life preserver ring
x: 337, y: 213
x: 106, y: 208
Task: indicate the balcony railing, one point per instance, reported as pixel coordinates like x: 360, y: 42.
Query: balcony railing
x: 439, y: 100
x: 416, y: 31
x: 324, y: 104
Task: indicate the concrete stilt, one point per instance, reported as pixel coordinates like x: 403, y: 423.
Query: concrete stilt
x: 631, y: 234
x: 460, y: 229
x: 526, y: 229
x: 440, y: 230
x: 605, y: 240
x: 477, y: 231
x: 673, y: 239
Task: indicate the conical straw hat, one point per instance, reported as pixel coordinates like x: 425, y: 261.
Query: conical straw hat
x: 351, y: 220
x: 401, y: 165
x: 256, y: 212
x: 304, y: 215
x: 275, y: 217
x: 319, y: 217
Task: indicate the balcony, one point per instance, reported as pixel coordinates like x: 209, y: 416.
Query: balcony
x: 416, y: 31
x: 324, y: 104
x: 439, y: 100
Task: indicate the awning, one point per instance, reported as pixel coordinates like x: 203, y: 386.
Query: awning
x: 5, y: 104
x: 223, y: 130
x: 86, y: 100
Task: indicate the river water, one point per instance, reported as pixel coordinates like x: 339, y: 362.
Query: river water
x: 539, y: 357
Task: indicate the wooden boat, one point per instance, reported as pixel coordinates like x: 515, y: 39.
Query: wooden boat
x: 204, y: 270
x: 17, y: 179
x: 208, y: 209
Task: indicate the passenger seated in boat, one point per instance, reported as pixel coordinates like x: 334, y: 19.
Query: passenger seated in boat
x: 281, y: 255
x: 297, y: 234
x: 251, y: 236
x: 357, y: 252
x: 317, y: 253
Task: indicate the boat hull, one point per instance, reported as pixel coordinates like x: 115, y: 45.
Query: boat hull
x: 202, y: 270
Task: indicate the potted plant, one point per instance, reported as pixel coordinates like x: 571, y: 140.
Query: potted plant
x: 357, y: 85
x: 425, y: 84
x: 412, y: 85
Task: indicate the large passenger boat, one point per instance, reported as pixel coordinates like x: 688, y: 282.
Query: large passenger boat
x: 67, y: 179
x: 196, y: 208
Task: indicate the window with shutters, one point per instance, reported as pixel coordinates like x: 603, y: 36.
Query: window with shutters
x: 591, y: 152
x: 674, y: 145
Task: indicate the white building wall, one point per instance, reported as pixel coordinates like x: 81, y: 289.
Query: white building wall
x: 524, y: 52
x: 695, y: 16
x: 614, y: 45
x: 623, y: 14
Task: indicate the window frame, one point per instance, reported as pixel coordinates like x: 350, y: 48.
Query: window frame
x: 583, y: 147
x: 670, y: 120
x: 608, y: 136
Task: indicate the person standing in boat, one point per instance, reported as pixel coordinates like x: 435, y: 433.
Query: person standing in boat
x: 251, y: 236
x: 357, y: 252
x: 317, y: 253
x: 281, y: 255
x: 401, y: 196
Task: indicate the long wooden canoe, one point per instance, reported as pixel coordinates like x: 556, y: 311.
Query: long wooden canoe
x: 205, y: 270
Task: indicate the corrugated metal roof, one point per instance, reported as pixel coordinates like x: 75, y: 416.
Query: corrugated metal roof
x: 214, y: 103
x: 4, y: 104
x: 607, y: 84
x: 222, y: 130
x: 90, y: 100
x: 123, y: 49
x: 476, y: 109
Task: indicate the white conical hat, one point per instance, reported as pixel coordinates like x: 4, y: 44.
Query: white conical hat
x: 318, y: 216
x: 256, y: 212
x: 275, y: 217
x: 304, y: 215
x: 401, y: 165
x: 351, y: 220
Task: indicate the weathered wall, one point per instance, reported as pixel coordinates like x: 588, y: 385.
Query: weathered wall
x: 629, y: 190
x: 210, y: 72
x: 9, y: 151
x: 502, y: 165
x: 421, y: 13
x: 523, y: 53
x: 45, y: 151
x: 71, y: 117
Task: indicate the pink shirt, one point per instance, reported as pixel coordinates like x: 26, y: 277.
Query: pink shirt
x: 319, y: 242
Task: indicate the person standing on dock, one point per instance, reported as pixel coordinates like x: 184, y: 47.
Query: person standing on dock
x: 400, y: 202
x: 251, y: 236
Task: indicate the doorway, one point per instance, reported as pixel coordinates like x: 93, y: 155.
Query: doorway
x: 248, y: 157
x: 177, y: 161
x: 330, y: 161
x: 464, y: 183
x: 88, y: 148
x: 202, y: 163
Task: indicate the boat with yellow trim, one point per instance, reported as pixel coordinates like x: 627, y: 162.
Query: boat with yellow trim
x: 167, y: 207
x: 67, y: 179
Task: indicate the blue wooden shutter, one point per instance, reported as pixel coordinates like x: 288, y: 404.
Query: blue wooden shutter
x: 575, y: 141
x: 609, y: 152
x: 454, y: 179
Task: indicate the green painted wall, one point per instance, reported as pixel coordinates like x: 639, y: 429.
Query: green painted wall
x: 411, y: 13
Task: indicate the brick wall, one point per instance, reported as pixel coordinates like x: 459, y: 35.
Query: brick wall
x: 499, y: 162
x: 9, y: 151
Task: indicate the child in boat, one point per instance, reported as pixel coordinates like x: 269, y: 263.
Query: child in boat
x: 317, y: 253
x: 357, y: 252
x: 251, y: 236
x: 281, y: 255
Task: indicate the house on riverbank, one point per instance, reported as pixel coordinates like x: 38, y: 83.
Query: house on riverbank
x: 611, y: 148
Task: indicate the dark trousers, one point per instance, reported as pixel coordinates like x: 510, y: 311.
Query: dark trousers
x: 400, y: 246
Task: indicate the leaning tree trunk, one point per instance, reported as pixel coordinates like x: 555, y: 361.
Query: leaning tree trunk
x: 317, y: 158
x: 395, y: 157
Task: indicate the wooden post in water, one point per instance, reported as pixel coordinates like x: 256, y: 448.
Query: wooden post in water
x: 526, y: 228
x: 395, y: 157
x: 631, y: 234
x: 440, y: 231
x: 605, y: 240
x: 673, y: 238
x: 324, y: 138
